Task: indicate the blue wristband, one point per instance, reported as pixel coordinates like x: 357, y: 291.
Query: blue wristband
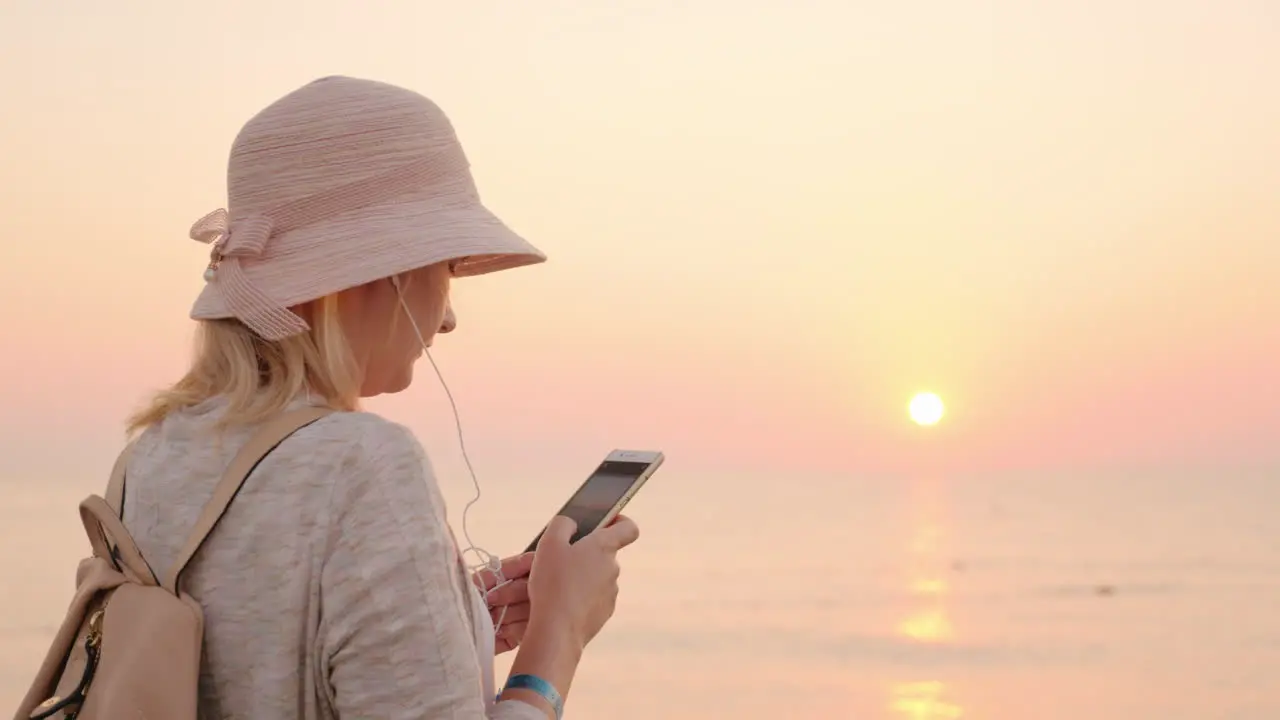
x: 541, y: 687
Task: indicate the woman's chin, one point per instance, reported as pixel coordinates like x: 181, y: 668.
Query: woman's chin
x: 389, y: 385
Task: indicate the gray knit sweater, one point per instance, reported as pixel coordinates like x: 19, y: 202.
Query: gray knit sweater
x: 332, y: 588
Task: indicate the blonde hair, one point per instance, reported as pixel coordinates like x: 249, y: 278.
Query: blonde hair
x: 259, y: 377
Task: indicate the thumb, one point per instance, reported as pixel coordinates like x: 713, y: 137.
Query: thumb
x: 618, y: 535
x: 559, y: 531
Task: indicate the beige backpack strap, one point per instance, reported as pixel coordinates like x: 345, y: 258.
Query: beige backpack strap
x: 115, y: 486
x: 112, y: 542
x: 258, y: 446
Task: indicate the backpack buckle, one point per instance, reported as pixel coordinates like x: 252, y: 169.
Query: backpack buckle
x: 70, y: 705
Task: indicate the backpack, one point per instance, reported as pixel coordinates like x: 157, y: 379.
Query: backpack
x: 129, y: 647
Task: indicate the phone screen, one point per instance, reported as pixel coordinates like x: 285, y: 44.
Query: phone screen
x: 597, y: 496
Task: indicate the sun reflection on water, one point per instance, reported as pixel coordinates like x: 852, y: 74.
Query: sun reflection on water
x: 923, y: 701
x: 928, y: 626
x: 927, y: 620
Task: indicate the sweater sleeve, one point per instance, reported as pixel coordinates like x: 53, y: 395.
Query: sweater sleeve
x: 395, y: 639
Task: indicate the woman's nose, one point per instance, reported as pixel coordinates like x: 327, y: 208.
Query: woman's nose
x: 450, y: 320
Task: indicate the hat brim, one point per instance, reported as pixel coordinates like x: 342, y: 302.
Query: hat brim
x: 374, y: 243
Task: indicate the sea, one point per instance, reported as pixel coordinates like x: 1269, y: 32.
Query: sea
x: 1012, y: 596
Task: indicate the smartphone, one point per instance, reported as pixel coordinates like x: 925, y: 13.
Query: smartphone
x: 599, y: 500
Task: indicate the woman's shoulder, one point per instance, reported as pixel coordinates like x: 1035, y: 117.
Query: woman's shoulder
x: 341, y: 438
x: 358, y: 427
x: 378, y: 470
x: 362, y: 438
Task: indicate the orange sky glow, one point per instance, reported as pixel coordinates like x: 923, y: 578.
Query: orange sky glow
x: 769, y: 225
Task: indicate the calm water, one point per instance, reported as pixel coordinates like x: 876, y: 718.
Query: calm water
x: 1034, y: 597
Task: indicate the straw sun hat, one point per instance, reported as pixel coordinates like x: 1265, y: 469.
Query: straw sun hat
x: 337, y: 184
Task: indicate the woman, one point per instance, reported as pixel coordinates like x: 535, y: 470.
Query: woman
x: 332, y: 587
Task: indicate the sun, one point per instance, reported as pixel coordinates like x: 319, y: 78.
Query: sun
x: 926, y: 409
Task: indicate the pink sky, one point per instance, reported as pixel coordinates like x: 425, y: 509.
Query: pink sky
x: 767, y: 227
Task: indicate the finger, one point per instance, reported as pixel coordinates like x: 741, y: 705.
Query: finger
x: 513, y: 633
x: 511, y: 568
x: 511, y: 613
x: 620, y: 533
x: 559, y: 531
x: 516, y: 591
x: 518, y: 566
x: 501, y: 644
x: 485, y: 579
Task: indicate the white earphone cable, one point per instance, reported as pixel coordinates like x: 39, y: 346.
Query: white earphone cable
x: 486, y: 560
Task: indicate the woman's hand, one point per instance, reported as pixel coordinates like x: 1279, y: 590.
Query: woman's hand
x: 511, y: 594
x: 574, y: 588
